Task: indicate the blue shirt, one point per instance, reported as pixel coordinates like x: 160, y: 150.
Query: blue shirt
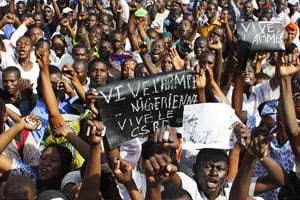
x: 41, y: 110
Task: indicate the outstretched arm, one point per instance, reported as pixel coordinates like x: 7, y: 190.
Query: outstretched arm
x: 287, y: 69
x: 91, y: 180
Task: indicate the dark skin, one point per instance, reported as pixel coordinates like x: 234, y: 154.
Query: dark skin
x: 210, y: 174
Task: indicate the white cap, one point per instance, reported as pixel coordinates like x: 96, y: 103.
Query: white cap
x: 186, y: 2
x: 67, y: 10
x: 293, y: 2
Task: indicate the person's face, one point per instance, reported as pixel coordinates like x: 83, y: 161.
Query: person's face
x: 92, y: 20
x: 216, y: 34
x: 35, y: 35
x: 117, y: 42
x: 160, y: 4
x: 291, y: 34
x: 105, y: 20
x: 260, y: 3
x: 223, y: 3
x: 280, y: 5
x: 210, y: 174
x: 58, y: 46
x: 184, y: 28
x: 48, y: 14
x: 157, y: 50
x: 292, y: 8
x: 203, y: 6
x: 268, y: 121
x: 55, y: 80
x: 49, y: 168
x: 105, y: 49
x: 175, y: 8
x: 98, y: 74
x: 38, y: 19
x: 128, y: 69
x: 10, y: 83
x: 81, y: 73
x: 80, y: 54
x: 211, y: 11
x: 248, y: 9
x: 207, y: 61
x: 168, y: 42
x: 95, y: 35
x: 106, y: 30
x: 199, y: 47
x: 20, y: 8
x: 141, y: 72
x: 249, y: 77
x: 23, y: 48
x: 166, y: 64
x: 224, y: 14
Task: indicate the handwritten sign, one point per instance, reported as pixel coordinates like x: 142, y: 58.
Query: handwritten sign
x: 208, y: 125
x: 262, y: 35
x: 136, y: 107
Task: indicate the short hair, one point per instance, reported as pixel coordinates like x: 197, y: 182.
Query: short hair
x: 175, y: 194
x: 43, y: 40
x: 61, y: 37
x: 12, y: 69
x: 78, y: 46
x: 204, y: 153
x: 65, y: 157
x: 54, y: 70
x: 94, y: 61
x: 19, y: 181
x: 206, y: 53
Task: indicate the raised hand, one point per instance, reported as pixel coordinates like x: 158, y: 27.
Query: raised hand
x: 42, y: 58
x: 201, y: 78
x: 91, y: 95
x: 95, y: 131
x: 159, y: 168
x: 25, y: 84
x: 289, y: 65
x: 177, y: 62
x: 31, y: 122
x: 28, y: 21
x: 260, y: 56
x: 166, y: 139
x: 9, y: 18
x: 69, y: 71
x: 242, y: 134
x: 209, y: 74
x: 122, y: 171
x: 58, y: 126
x: 259, y: 146
x: 215, y: 45
x: 64, y: 22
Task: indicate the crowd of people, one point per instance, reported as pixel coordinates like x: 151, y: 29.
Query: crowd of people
x: 55, y: 56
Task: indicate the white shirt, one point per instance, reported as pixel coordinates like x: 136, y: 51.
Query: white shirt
x: 66, y: 58
x: 260, y: 93
x: 281, y: 17
x: 295, y: 16
x: 191, y: 187
x: 9, y: 59
x: 159, y: 20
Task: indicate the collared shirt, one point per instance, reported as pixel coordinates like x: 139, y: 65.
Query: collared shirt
x: 207, y: 28
x: 260, y: 93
